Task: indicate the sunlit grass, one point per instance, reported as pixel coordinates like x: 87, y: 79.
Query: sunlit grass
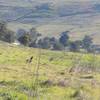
x: 18, y: 77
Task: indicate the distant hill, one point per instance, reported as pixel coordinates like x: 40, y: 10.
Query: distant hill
x: 54, y: 16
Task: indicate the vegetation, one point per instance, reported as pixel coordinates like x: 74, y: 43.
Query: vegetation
x: 44, y: 43
x: 6, y: 34
x: 48, y: 68
x: 25, y: 39
x: 33, y: 38
x: 64, y: 39
x: 67, y: 77
x: 87, y: 43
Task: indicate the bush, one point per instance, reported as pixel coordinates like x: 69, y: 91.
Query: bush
x: 25, y: 39
x: 44, y: 43
x: 58, y: 46
x: 74, y: 46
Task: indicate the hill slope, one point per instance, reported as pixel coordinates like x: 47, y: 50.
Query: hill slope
x: 55, y: 81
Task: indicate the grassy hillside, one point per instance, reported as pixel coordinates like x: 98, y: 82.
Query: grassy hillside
x: 62, y: 76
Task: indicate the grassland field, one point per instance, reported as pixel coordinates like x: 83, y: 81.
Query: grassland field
x: 62, y: 76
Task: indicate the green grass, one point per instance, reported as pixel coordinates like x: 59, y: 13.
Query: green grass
x: 17, y: 77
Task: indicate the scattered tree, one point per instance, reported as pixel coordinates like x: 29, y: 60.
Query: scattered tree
x: 10, y: 36
x: 73, y: 47
x: 6, y: 34
x: 25, y: 39
x: 31, y: 39
x: 64, y: 39
x: 87, y: 43
x: 58, y: 46
x: 21, y: 32
x: 44, y: 43
x: 34, y: 35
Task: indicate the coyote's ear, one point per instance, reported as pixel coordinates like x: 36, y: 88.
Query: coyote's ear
x: 29, y: 60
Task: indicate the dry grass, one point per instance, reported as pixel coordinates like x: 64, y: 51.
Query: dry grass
x: 54, y: 78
